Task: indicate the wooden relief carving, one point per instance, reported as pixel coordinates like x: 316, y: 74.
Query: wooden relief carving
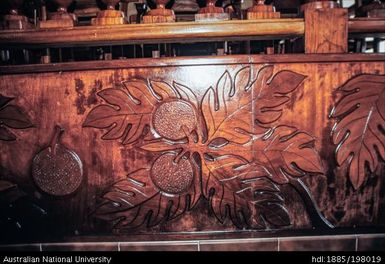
x: 228, y: 147
x: 359, y: 131
x: 57, y: 170
x: 11, y: 117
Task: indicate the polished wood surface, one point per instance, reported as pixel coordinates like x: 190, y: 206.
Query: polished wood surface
x: 326, y: 30
x: 171, y: 32
x: 260, y: 11
x: 192, y: 148
x: 160, y: 14
x: 166, y: 32
x: 365, y: 25
x: 186, y: 61
x: 208, y: 144
x: 110, y: 16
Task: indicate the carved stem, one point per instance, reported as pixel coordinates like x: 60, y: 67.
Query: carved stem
x: 317, y: 219
x: 55, y: 139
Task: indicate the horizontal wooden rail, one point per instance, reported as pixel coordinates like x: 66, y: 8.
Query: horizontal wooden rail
x: 173, y: 32
x: 165, y: 32
x: 365, y: 25
x: 188, y: 61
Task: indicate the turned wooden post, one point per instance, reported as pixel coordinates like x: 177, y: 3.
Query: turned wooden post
x: 160, y: 14
x: 61, y: 18
x: 326, y: 27
x: 261, y: 11
x: 14, y: 20
x: 110, y: 16
x: 211, y: 12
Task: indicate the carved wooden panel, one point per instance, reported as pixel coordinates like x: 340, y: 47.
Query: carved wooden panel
x: 210, y: 146
x: 360, y: 128
x: 11, y: 117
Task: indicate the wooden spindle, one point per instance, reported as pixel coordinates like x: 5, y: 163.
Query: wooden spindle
x: 211, y: 12
x: 160, y: 14
x: 262, y: 11
x: 110, y: 16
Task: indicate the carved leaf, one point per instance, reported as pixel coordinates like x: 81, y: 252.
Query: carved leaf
x: 13, y: 117
x: 4, y: 100
x: 227, y: 111
x: 163, y: 90
x: 285, y: 151
x: 230, y: 169
x: 274, y: 213
x: 248, y: 202
x: 360, y: 128
x: 160, y: 145
x: 186, y: 94
x: 129, y: 111
x: 126, y: 116
x: 242, y: 156
x: 5, y: 134
x: 134, y: 201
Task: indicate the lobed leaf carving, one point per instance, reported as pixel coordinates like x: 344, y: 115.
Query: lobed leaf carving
x: 134, y: 201
x: 11, y: 116
x: 244, y: 155
x: 359, y: 130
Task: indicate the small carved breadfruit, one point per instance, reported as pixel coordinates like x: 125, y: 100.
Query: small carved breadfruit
x: 173, y: 117
x: 171, y: 176
x: 57, y: 170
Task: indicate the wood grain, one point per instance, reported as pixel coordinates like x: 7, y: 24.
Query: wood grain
x: 285, y: 90
x: 326, y: 30
x: 155, y: 33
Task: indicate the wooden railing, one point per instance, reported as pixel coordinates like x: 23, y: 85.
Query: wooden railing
x: 174, y: 32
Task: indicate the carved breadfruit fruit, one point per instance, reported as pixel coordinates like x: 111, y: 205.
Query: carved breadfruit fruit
x: 57, y: 170
x: 229, y: 147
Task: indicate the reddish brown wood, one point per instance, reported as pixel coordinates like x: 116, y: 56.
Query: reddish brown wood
x: 359, y: 132
x: 326, y: 29
x: 56, y: 170
x: 160, y: 14
x: 211, y: 12
x: 188, y: 61
x: 11, y: 117
x: 208, y: 144
x: 183, y: 133
x: 364, y: 25
x: 109, y: 16
x: 261, y: 11
x: 319, y: 4
x: 167, y: 32
x: 171, y: 32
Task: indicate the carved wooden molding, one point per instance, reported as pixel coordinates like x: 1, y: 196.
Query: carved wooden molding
x: 214, y: 147
x: 359, y: 130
